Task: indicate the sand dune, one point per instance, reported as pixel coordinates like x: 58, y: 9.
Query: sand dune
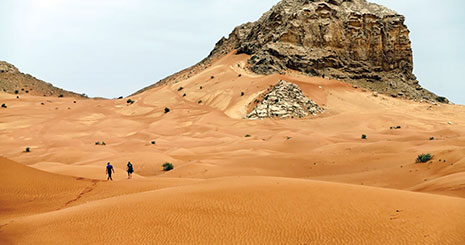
x: 333, y: 186
x: 253, y: 210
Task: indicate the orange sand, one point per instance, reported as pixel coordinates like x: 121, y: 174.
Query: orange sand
x: 311, y: 180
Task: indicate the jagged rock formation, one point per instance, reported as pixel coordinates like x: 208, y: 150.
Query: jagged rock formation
x: 351, y: 40
x: 284, y: 100
x: 14, y: 82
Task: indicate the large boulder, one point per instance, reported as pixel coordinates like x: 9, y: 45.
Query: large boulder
x: 284, y: 100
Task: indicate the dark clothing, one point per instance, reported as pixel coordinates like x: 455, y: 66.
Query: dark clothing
x: 109, y: 169
x: 130, y: 168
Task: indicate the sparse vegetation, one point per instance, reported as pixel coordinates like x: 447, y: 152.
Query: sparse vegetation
x: 60, y: 96
x: 16, y: 92
x: 97, y: 143
x: 130, y: 101
x: 100, y: 143
x: 180, y: 88
x: 248, y: 135
x: 167, y: 110
x: 424, y: 158
x: 212, y: 77
x: 167, y: 166
x: 200, y: 102
x: 153, y: 142
x: 364, y: 136
x: 4, y: 106
x: 240, y: 75
x: 184, y: 95
x: 201, y: 87
x: 242, y: 93
x: 441, y: 99
x: 28, y: 149
x: 121, y: 97
x: 431, y: 138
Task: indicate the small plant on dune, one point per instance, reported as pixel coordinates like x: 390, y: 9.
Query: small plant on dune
x: 129, y: 101
x: 28, y: 149
x: 180, y: 88
x: 212, y: 77
x: 200, y: 102
x: 248, y: 135
x: 441, y: 99
x: 424, y: 158
x: 431, y: 138
x: 242, y: 93
x: 97, y: 143
x: 201, y: 87
x: 60, y: 96
x: 16, y: 91
x: 184, y: 95
x: 167, y: 110
x: 240, y: 75
x: 4, y: 106
x: 103, y: 143
x: 167, y: 166
x: 364, y: 136
x: 153, y: 142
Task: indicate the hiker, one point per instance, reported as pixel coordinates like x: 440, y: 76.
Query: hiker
x: 130, y: 170
x: 110, y: 169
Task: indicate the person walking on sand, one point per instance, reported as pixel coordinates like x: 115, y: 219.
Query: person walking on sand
x: 110, y: 170
x: 130, y: 170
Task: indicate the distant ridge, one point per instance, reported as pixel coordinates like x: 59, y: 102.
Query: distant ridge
x: 15, y: 82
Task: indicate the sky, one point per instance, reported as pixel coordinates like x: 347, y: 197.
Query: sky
x: 112, y: 48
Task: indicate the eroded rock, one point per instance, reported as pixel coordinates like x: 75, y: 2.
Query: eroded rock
x: 350, y: 40
x: 284, y: 100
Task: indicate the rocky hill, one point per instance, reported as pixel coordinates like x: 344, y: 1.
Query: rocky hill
x: 14, y: 82
x: 350, y: 40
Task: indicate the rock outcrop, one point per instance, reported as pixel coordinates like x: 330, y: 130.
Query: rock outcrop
x: 350, y: 40
x: 284, y: 100
x: 14, y: 82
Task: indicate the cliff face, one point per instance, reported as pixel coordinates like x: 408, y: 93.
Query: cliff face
x: 14, y: 82
x: 351, y: 40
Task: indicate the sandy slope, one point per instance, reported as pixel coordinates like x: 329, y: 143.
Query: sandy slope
x: 266, y: 210
x: 205, y: 141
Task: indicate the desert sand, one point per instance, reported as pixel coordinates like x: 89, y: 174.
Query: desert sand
x: 301, y: 181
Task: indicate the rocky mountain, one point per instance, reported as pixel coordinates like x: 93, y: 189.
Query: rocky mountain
x: 350, y: 40
x: 15, y: 82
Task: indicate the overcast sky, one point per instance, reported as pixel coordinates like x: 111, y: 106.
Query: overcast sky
x: 110, y: 48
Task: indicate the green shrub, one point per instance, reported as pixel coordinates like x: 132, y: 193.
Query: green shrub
x: 60, y: 96
x: 153, y: 142
x: 364, y: 136
x: 4, y: 106
x: 424, y: 158
x: 441, y: 99
x: 242, y: 93
x: 167, y: 110
x: 28, y: 149
x: 167, y: 166
x: 248, y: 135
x: 129, y: 101
x: 431, y: 138
x: 180, y: 88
